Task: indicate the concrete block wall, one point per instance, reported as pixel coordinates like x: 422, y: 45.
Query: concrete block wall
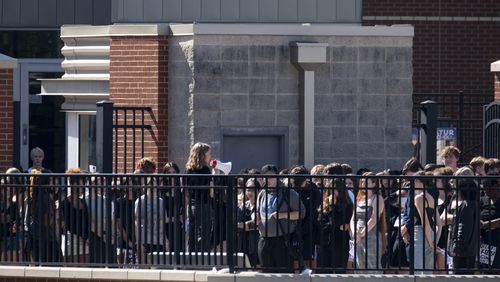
x: 363, y: 95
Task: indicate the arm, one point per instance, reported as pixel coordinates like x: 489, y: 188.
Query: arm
x: 378, y: 209
x: 420, y: 205
x: 493, y: 224
x: 465, y: 228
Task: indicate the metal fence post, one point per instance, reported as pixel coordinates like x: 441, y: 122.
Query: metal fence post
x: 428, y: 127
x: 104, y: 136
x: 230, y: 226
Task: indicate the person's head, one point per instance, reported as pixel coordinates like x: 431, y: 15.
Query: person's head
x: 269, y: 169
x: 450, y: 156
x: 346, y: 168
x: 440, y: 182
x: 146, y: 165
x: 351, y: 183
x: 368, y: 185
x: 492, y: 187
x: 362, y: 171
x: 284, y: 180
x: 425, y: 182
x: 240, y: 181
x: 477, y: 165
x: 253, y: 187
x: 37, y: 155
x: 76, y: 181
x: 318, y: 170
x: 199, y: 156
x: 411, y: 167
x: 430, y: 167
x: 299, y: 182
x: 492, y: 166
x: 171, y: 168
x: 333, y: 169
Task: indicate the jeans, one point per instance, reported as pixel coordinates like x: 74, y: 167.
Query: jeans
x: 423, y: 259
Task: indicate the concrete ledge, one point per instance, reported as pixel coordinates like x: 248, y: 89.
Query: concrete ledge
x: 7, y: 62
x: 361, y: 277
x: 12, y: 271
x: 448, y: 278
x: 177, y: 275
x: 46, y: 272
x: 143, y: 274
x: 75, y: 31
x: 75, y: 273
x: 495, y: 66
x: 109, y: 274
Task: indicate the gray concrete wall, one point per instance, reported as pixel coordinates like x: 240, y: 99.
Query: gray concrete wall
x: 363, y: 95
x: 314, y: 11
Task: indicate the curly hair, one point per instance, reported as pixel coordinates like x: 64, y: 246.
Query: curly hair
x: 197, y: 156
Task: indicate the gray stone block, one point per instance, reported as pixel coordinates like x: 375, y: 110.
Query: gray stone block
x: 235, y: 85
x: 371, y: 86
x: 399, y: 86
x: 399, y: 102
x: 322, y: 134
x: 344, y: 150
x: 372, y: 70
x: 322, y: 85
x: 344, y: 134
x: 207, y: 134
x: 284, y: 53
x: 287, y: 117
x: 399, y: 54
x: 262, y: 102
x: 235, y: 53
x: 207, y: 68
x: 323, y: 149
x: 207, y: 53
x: 395, y: 118
x: 288, y: 86
x: 261, y: 85
x: 371, y: 54
x: 234, y: 118
x: 180, y: 69
x: 262, y: 53
x: 372, y: 118
x: 371, y: 134
x: 234, y: 102
x: 205, y: 118
x: 344, y: 70
x: 371, y: 102
x: 261, y: 69
x: 396, y: 163
x: 287, y: 70
x: 261, y: 118
x: 344, y: 54
x: 207, y: 102
x: 400, y: 70
x: 398, y: 134
x: 344, y: 86
x: 353, y: 162
x: 398, y: 149
x: 340, y: 118
x: 207, y: 85
x: 374, y: 164
x: 287, y: 102
x: 234, y: 69
x: 371, y: 150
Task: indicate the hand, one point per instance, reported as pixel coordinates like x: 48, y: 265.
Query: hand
x: 406, y: 238
x: 275, y: 215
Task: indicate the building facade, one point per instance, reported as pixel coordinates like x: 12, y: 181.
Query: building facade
x: 237, y: 75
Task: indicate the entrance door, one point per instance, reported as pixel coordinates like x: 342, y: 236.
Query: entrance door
x: 41, y: 122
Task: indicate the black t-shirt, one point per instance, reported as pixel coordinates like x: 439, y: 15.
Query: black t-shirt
x: 76, y: 217
x: 490, y: 209
x: 125, y: 213
x: 198, y: 193
x: 9, y: 215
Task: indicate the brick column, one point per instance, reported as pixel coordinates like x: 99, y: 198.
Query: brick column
x: 139, y: 77
x: 7, y: 65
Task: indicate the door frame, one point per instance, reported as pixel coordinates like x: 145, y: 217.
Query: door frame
x: 21, y: 96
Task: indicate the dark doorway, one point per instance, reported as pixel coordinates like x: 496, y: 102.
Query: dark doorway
x: 47, y: 123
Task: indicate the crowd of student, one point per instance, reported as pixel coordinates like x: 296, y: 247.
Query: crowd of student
x: 326, y: 219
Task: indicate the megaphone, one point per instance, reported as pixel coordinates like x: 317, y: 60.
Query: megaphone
x: 224, y: 167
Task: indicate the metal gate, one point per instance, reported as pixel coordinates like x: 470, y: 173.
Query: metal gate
x: 491, y: 130
x: 120, y: 136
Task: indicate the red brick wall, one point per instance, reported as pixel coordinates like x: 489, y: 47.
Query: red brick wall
x: 497, y: 87
x: 139, y: 77
x: 6, y: 119
x: 449, y: 56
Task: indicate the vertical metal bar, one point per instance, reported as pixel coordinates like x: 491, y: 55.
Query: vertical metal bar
x: 104, y: 136
x: 125, y: 128
x: 142, y: 133
x: 133, y: 137
x: 411, y: 222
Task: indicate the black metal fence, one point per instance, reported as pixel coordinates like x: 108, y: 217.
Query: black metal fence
x: 269, y: 223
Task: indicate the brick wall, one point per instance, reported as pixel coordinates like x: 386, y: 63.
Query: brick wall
x: 6, y: 119
x: 139, y: 77
x: 449, y: 55
x: 497, y: 87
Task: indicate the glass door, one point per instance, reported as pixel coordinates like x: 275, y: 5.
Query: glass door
x: 42, y: 124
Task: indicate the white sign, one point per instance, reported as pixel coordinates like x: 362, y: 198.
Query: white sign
x: 487, y: 254
x: 445, y: 136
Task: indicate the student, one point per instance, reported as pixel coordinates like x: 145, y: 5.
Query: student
x: 200, y: 209
x: 10, y: 218
x: 174, y: 201
x: 278, y: 210
x: 477, y: 165
x: 450, y: 156
x: 248, y: 235
x: 490, y: 225
x: 464, y: 232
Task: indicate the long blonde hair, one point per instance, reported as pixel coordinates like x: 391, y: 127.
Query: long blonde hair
x: 197, y: 156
